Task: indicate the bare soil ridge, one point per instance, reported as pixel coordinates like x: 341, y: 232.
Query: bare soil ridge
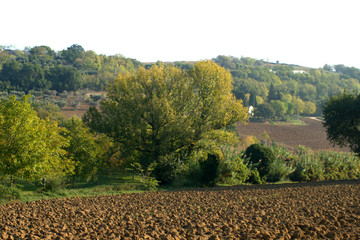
x: 324, y: 210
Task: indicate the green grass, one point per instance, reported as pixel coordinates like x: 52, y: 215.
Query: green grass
x: 291, y: 122
x: 105, y: 185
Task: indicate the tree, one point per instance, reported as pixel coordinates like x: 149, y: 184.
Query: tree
x: 273, y: 94
x: 342, y: 120
x: 160, y: 112
x: 279, y: 107
x: 252, y: 100
x: 86, y: 149
x: 265, y: 110
x: 309, y: 108
x: 30, y: 147
x: 299, y: 105
x: 65, y: 78
x: 73, y: 53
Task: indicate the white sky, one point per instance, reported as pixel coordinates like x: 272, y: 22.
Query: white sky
x: 304, y: 32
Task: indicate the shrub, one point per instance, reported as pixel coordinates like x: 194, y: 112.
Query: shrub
x: 147, y: 182
x: 166, y: 169
x: 261, y: 157
x: 281, y: 167
x: 340, y: 165
x: 209, y: 170
x: 279, y: 170
x: 308, y: 167
x: 232, y: 168
x: 254, y: 177
x: 9, y: 193
x: 52, y: 184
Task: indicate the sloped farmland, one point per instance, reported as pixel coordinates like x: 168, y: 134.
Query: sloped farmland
x: 312, y: 135
x: 320, y: 210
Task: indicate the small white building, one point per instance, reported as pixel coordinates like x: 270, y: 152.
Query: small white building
x: 251, y: 111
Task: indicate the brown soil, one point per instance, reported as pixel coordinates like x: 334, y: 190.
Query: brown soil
x: 312, y: 135
x: 69, y: 112
x: 320, y: 210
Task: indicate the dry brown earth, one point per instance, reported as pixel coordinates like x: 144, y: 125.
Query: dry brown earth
x: 321, y: 210
x: 312, y: 135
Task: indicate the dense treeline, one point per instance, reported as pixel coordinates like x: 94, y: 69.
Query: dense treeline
x: 277, y: 91
x: 290, y: 89
x: 41, y: 68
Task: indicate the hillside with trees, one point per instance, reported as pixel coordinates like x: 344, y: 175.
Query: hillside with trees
x: 276, y: 91
x: 41, y: 68
x: 289, y: 89
x: 169, y: 124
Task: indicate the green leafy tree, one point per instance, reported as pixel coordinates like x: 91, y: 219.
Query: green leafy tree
x: 273, y: 95
x: 252, y: 100
x: 163, y: 111
x: 73, y: 53
x: 342, y: 120
x: 65, y: 78
x: 265, y: 110
x: 30, y: 147
x: 309, y: 108
x: 279, y: 107
x: 86, y: 149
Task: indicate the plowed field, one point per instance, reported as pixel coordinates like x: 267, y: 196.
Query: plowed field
x: 292, y: 211
x: 312, y: 135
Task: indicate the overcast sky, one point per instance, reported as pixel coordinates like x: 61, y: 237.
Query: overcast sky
x: 307, y: 32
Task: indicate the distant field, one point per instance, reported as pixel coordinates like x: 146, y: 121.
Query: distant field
x: 311, y: 135
x: 79, y: 112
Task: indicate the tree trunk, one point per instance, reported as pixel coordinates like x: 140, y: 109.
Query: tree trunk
x: 73, y: 181
x: 11, y: 181
x: 44, y: 183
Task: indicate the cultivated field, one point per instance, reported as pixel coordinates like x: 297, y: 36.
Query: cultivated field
x: 318, y: 210
x: 312, y: 135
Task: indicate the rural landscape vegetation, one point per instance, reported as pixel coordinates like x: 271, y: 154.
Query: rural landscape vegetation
x: 210, y: 138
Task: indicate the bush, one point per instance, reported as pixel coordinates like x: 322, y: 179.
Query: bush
x: 308, y: 167
x: 340, y: 165
x: 52, y: 184
x: 166, y: 170
x: 254, y: 177
x: 232, y: 168
x: 147, y: 182
x: 279, y: 170
x: 281, y: 167
x: 209, y: 170
x: 261, y: 157
x: 9, y: 193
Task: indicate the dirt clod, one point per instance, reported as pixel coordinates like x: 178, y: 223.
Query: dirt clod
x: 317, y: 210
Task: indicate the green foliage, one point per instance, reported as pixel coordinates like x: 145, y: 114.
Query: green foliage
x: 167, y: 169
x: 271, y: 81
x: 30, y: 147
x: 148, y: 182
x: 254, y: 177
x: 342, y: 120
x: 340, y: 165
x: 209, y: 170
x: 265, y: 110
x: 281, y: 167
x: 279, y: 170
x: 86, y: 149
x: 9, y: 193
x: 163, y: 112
x: 312, y: 166
x: 232, y: 168
x: 41, y: 68
x: 261, y: 157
